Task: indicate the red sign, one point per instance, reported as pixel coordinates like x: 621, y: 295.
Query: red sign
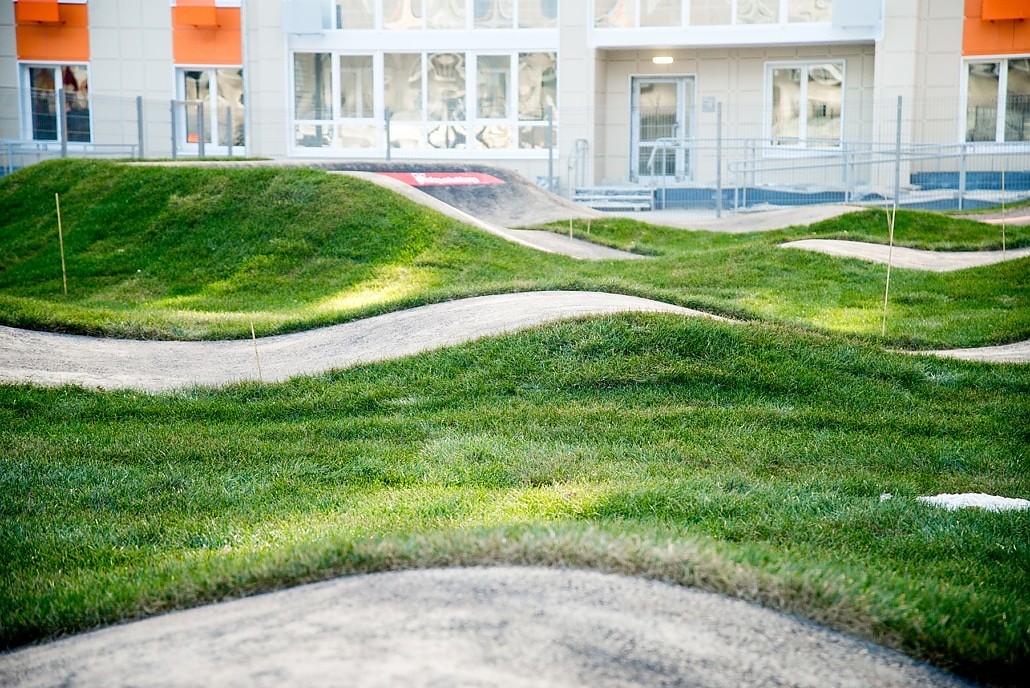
x: 444, y: 178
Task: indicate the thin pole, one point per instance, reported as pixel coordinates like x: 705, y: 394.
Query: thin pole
x: 718, y: 159
x: 253, y: 337
x: 550, y: 148
x: 139, y: 126
x: 891, y: 218
x: 60, y: 239
x: 1003, y: 213
x: 174, y: 134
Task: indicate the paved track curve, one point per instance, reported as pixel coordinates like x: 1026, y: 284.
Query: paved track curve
x: 499, y: 626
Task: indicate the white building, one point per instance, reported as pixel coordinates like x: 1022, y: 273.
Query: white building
x: 592, y: 92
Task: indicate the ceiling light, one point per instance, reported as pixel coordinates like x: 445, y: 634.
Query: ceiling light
x: 662, y: 59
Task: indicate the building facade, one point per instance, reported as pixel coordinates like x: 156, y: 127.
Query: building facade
x: 586, y: 92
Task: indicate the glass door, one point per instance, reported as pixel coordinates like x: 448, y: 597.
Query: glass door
x: 210, y: 109
x: 662, y: 109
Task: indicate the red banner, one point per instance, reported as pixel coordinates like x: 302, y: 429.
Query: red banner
x: 444, y: 178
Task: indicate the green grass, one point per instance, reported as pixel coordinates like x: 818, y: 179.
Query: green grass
x: 747, y: 459
x: 191, y: 253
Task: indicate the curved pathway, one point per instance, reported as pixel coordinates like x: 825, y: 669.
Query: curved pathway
x: 462, y: 627
x: 548, y: 242
x: 55, y: 359
x: 915, y: 259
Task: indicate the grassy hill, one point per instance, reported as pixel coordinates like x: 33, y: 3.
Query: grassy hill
x: 192, y: 253
x: 745, y: 459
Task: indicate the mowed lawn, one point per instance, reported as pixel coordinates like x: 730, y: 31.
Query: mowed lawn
x: 749, y: 458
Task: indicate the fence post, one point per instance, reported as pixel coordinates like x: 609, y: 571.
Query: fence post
x: 549, y: 111
x: 962, y: 178
x: 139, y: 126
x: 388, y: 115
x: 718, y: 159
x: 201, y: 134
x: 175, y: 151
x: 62, y: 124
x: 228, y: 129
x: 897, y: 159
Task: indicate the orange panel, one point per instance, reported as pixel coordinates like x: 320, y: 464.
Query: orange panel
x: 66, y: 41
x: 973, y: 8
x: 36, y: 11
x: 220, y: 44
x: 194, y: 16
x: 995, y: 10
x: 987, y: 38
x: 1021, y: 38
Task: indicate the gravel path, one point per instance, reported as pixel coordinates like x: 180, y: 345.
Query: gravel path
x: 915, y: 259
x: 55, y: 359
x: 471, y: 627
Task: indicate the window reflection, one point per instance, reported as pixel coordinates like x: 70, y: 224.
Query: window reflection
x: 538, y: 14
x: 402, y: 15
x: 758, y: 11
x: 982, y: 107
x: 355, y: 14
x: 356, y: 99
x: 711, y: 12
x: 494, y: 14
x: 809, y: 10
x: 1017, y: 101
x: 660, y: 12
x: 615, y: 13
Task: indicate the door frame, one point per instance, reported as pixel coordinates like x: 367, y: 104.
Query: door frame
x: 686, y: 109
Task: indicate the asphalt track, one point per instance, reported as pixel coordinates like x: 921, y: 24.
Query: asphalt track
x: 497, y: 626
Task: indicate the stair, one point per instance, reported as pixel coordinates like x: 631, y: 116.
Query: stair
x: 615, y: 197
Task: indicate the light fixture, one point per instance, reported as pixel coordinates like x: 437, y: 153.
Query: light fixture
x: 662, y: 59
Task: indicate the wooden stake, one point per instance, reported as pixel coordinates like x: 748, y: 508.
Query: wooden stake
x: 253, y: 337
x: 60, y: 239
x: 891, y: 216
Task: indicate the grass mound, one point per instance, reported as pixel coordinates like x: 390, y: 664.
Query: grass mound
x: 745, y: 460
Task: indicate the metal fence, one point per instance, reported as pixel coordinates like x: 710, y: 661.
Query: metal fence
x: 714, y: 159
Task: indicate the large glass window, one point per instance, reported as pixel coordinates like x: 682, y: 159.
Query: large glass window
x: 711, y: 12
x: 44, y: 108
x: 615, y: 13
x: 355, y: 14
x: 660, y: 13
x: 445, y: 99
x: 402, y: 78
x: 441, y: 100
x: 806, y: 104
x: 357, y: 102
x: 403, y: 14
x: 809, y: 10
x: 538, y: 97
x: 446, y: 14
x: 998, y: 100
x: 493, y: 104
x: 758, y: 11
x: 493, y: 14
x: 312, y: 99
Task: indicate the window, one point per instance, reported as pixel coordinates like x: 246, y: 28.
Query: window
x: 357, y: 102
x: 998, y: 100
x: 217, y: 96
x: 355, y: 14
x: 538, y: 14
x: 538, y: 97
x: 44, y: 85
x: 758, y: 11
x: 312, y: 99
x: 806, y: 104
x: 432, y: 100
x: 494, y: 14
x: 493, y: 102
x: 809, y: 11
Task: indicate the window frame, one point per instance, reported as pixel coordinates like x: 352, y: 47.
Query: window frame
x: 1002, y: 101
x: 25, y: 102
x: 471, y: 125
x: 802, y: 145
x: 214, y: 122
